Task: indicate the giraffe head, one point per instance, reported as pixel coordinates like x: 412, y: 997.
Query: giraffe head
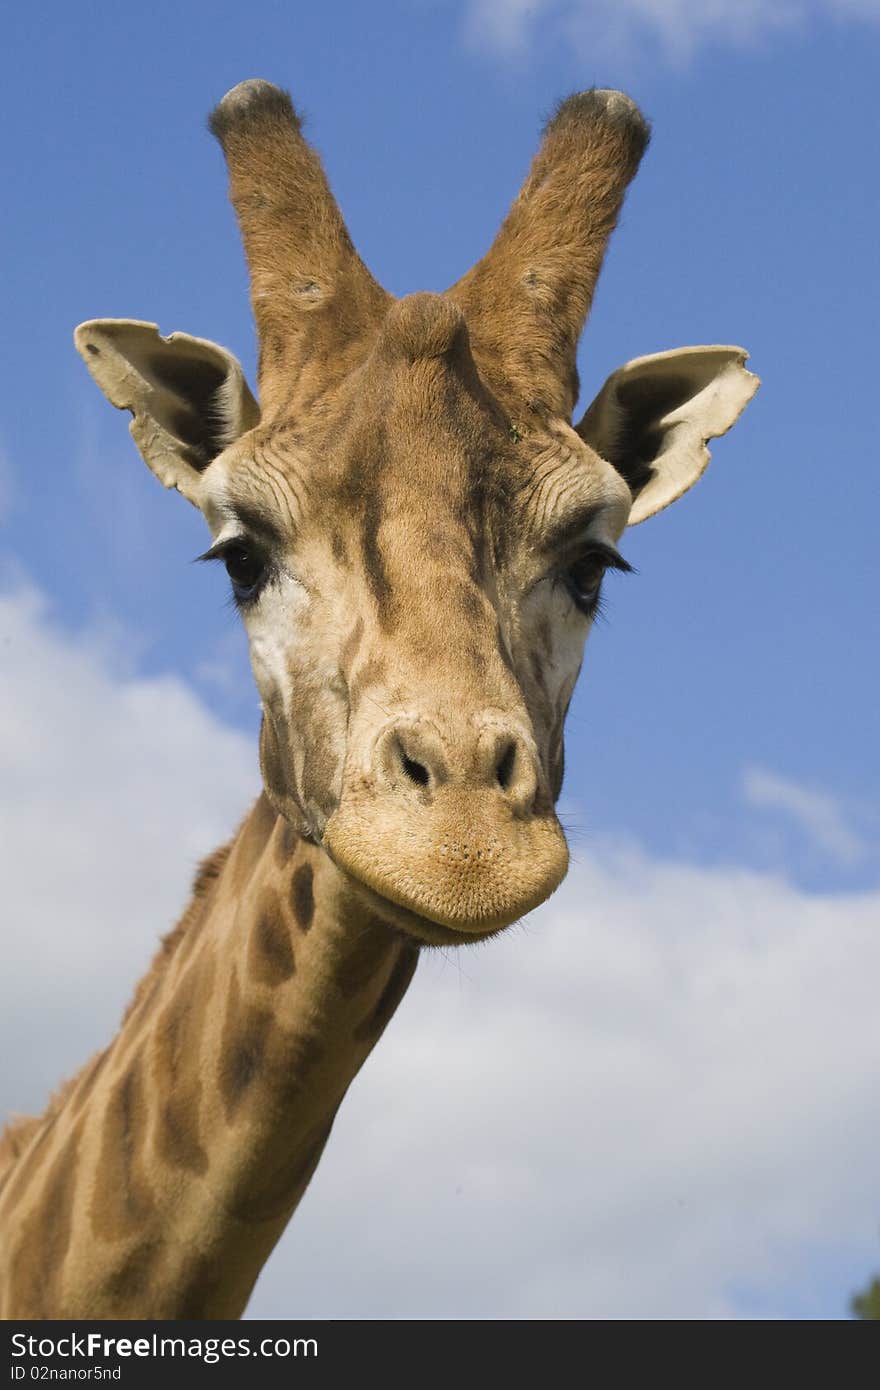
x: 415, y: 533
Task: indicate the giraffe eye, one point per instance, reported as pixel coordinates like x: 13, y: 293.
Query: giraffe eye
x: 246, y: 567
x: 247, y: 564
x: 584, y: 579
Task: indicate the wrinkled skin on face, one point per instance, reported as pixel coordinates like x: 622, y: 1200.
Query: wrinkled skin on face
x: 414, y: 634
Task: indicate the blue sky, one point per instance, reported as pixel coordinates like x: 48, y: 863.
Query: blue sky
x: 727, y: 717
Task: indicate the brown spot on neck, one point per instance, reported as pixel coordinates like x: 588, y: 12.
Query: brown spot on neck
x: 301, y: 1054
x: 364, y: 957
x: 383, y: 1010
x: 303, y: 896
x: 130, y: 1278
x: 277, y: 1192
x: 178, y: 1136
x: 122, y: 1198
x: 204, y: 1290
x: 270, y: 954
x: 177, y: 1042
x: 245, y: 1034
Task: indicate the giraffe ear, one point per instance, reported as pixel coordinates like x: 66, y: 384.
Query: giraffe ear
x: 188, y: 397
x: 654, y: 417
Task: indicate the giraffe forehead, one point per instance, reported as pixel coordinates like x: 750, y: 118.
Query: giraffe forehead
x: 378, y: 500
x: 395, y: 489
x: 412, y: 458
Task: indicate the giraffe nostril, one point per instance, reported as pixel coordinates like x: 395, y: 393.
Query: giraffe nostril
x: 410, y: 758
x: 505, y: 765
x: 416, y: 772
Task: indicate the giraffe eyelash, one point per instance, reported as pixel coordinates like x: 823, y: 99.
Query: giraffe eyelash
x: 247, y: 564
x: 589, y: 601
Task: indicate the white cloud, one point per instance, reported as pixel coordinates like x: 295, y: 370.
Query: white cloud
x: 618, y: 27
x: 817, y: 814
x: 111, y: 790
x: 656, y: 1099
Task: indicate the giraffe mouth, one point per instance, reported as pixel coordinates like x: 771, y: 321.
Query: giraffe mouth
x: 424, y: 930
x: 451, y: 877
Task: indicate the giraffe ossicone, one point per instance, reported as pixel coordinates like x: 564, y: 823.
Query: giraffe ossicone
x: 416, y: 536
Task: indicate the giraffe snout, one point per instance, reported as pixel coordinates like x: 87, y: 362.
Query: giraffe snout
x: 449, y: 818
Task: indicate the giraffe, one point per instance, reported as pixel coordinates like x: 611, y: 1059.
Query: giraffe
x: 416, y: 537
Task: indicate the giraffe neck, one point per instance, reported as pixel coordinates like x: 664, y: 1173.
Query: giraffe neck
x: 158, y: 1185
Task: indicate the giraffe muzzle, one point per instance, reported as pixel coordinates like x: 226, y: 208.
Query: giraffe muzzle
x: 462, y: 835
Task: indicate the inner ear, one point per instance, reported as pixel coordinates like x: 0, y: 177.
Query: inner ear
x: 638, y: 437
x: 188, y: 397
x: 654, y: 417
